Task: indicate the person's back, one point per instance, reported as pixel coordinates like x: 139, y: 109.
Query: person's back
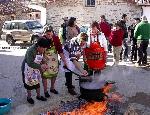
x: 105, y: 28
x: 142, y: 34
x: 123, y: 22
x: 142, y: 31
x: 64, y: 28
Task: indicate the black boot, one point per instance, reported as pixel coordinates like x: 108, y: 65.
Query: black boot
x: 68, y: 76
x: 41, y: 98
x: 30, y: 100
x: 72, y: 92
x: 47, y: 95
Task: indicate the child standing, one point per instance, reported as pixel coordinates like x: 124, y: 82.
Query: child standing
x: 116, y: 39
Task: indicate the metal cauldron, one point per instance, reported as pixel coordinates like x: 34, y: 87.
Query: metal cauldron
x: 90, y: 89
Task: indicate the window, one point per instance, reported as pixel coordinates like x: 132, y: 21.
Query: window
x: 33, y: 25
x: 14, y: 25
x: 6, y: 26
x: 37, y: 16
x: 22, y: 26
x: 90, y: 3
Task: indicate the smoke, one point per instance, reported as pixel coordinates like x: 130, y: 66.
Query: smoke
x: 129, y: 80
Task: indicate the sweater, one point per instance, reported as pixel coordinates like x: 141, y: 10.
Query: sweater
x: 30, y: 57
x: 142, y: 31
x: 105, y: 28
x: 116, y: 37
x: 124, y: 27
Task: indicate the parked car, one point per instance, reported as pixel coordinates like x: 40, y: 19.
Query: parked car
x: 21, y: 30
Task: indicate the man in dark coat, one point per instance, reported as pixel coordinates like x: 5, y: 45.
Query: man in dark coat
x: 125, y: 37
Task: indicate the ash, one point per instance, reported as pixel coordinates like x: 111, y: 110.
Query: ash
x: 71, y: 105
x: 115, y: 108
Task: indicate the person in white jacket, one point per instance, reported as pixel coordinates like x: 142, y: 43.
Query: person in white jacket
x: 94, y: 34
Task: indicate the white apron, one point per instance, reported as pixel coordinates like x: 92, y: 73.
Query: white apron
x: 32, y: 76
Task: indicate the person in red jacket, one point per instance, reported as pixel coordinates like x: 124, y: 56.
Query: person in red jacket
x: 116, y: 39
x: 105, y: 28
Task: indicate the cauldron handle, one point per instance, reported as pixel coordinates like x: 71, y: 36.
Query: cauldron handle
x: 80, y: 77
x: 71, y: 71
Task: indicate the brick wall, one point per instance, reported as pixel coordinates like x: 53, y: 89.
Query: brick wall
x: 76, y: 8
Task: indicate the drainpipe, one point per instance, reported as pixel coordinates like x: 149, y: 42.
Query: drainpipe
x: 141, y: 11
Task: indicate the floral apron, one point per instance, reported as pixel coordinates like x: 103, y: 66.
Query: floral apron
x: 51, y: 59
x: 32, y: 76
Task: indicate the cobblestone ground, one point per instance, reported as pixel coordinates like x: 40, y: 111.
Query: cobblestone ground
x: 132, y: 82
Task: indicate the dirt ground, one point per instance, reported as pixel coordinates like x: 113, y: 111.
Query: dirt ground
x: 131, y: 82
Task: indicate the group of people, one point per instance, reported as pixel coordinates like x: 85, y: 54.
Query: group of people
x: 41, y: 59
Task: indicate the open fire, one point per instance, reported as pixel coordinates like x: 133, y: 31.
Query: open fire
x: 95, y: 108
x: 111, y: 105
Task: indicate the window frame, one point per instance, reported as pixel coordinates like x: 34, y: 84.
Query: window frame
x: 89, y: 5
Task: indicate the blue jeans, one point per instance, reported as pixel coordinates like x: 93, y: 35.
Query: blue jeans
x: 124, y: 51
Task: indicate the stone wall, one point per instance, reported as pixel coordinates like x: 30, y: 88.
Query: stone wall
x: 85, y: 15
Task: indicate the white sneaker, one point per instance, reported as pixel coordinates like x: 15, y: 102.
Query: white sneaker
x: 115, y: 63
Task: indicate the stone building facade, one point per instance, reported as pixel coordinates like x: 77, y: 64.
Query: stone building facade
x: 85, y: 15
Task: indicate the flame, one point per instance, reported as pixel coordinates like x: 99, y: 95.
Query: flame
x: 107, y: 88
x: 96, y: 108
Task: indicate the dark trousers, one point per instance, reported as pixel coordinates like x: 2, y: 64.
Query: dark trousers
x: 133, y: 50
x: 109, y: 47
x: 142, y: 51
x: 68, y: 76
x: 90, y: 72
x: 124, y: 51
x: 22, y: 71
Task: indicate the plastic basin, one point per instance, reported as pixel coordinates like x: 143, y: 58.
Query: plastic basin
x: 5, y: 105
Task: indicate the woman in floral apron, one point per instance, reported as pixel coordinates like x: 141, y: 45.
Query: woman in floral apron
x: 32, y: 67
x: 51, y: 59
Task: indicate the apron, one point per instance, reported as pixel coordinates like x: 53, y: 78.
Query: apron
x: 32, y: 76
x: 51, y: 59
